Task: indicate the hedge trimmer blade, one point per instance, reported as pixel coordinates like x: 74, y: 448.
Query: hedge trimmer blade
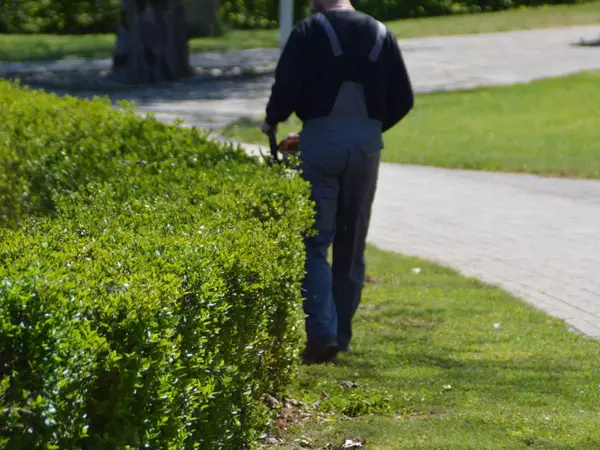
x: 274, y: 147
x: 288, y: 146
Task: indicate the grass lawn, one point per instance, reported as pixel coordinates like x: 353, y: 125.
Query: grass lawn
x: 545, y: 127
x: 44, y: 47
x: 445, y: 362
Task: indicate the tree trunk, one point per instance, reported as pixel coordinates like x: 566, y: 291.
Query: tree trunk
x: 151, y: 42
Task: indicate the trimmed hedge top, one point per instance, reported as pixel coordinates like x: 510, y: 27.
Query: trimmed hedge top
x: 149, y: 280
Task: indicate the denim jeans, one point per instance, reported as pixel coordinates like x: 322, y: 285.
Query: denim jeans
x: 343, y: 179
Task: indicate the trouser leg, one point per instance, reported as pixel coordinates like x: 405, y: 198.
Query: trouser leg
x: 357, y: 191
x: 319, y: 307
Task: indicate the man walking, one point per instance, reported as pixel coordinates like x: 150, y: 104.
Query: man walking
x: 343, y: 74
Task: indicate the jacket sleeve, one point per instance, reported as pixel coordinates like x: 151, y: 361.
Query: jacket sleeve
x: 400, y: 95
x: 290, y: 77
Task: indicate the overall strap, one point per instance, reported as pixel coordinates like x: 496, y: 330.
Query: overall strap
x: 381, y: 35
x: 333, y: 38
x: 335, y: 42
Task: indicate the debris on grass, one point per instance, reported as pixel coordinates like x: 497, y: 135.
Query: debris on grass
x: 351, y: 443
x: 371, y: 280
x: 271, y: 402
x: 303, y: 442
x: 273, y: 441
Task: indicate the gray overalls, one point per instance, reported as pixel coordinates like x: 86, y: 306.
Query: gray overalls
x: 340, y: 159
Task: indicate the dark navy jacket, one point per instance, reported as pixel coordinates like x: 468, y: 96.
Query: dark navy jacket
x: 311, y: 69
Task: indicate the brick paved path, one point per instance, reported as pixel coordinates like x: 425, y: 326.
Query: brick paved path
x: 448, y: 63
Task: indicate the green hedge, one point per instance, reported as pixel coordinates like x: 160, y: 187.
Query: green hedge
x: 149, y: 281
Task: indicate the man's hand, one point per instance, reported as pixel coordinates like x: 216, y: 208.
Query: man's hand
x: 266, y: 128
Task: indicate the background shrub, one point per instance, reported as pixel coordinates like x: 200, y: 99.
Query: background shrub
x: 102, y: 16
x: 64, y: 16
x: 149, y: 281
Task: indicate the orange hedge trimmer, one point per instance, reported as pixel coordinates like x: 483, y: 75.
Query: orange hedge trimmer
x: 288, y: 146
